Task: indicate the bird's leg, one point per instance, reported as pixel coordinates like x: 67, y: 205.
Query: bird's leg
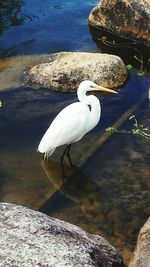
x: 67, y: 153
x: 62, y: 163
x: 69, y: 156
x: 63, y: 171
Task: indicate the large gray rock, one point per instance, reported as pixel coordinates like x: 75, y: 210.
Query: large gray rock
x: 141, y: 255
x: 66, y: 70
x: 126, y: 18
x: 29, y: 238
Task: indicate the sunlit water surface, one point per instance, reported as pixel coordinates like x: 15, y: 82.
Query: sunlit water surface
x: 108, y: 192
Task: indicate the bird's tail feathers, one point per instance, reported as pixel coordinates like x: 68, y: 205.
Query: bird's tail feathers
x: 48, y: 153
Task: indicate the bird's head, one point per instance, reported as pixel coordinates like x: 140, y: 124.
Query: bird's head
x: 88, y: 86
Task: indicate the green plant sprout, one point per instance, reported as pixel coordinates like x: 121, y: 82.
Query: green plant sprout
x: 138, y: 129
x: 129, y: 67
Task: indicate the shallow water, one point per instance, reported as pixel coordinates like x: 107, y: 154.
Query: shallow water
x: 108, y: 192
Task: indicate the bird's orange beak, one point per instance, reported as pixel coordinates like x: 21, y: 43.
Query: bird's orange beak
x: 107, y: 90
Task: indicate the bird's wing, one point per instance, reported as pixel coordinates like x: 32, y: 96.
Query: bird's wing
x: 68, y: 126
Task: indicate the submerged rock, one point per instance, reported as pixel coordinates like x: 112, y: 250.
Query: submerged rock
x: 29, y: 238
x: 66, y: 70
x: 12, y: 68
x: 141, y: 255
x: 126, y: 18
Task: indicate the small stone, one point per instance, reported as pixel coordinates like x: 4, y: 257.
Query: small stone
x: 134, y: 155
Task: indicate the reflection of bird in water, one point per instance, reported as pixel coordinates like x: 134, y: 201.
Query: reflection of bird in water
x: 78, y: 187
x: 73, y: 122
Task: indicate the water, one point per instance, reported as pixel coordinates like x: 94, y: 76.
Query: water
x: 108, y: 192
x: 44, y: 27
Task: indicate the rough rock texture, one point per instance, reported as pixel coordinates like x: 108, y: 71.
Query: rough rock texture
x: 66, y: 70
x: 29, y: 238
x: 127, y: 18
x: 141, y: 256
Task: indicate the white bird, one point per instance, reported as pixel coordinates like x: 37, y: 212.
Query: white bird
x: 74, y: 121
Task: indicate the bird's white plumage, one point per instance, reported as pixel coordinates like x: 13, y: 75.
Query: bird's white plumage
x: 72, y: 129
x: 74, y: 121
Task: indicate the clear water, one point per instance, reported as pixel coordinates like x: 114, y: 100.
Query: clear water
x: 46, y: 27
x: 108, y: 192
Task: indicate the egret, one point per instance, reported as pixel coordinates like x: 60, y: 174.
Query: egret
x: 74, y: 121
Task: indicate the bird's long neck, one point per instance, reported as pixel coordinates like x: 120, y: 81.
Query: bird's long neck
x: 94, y: 106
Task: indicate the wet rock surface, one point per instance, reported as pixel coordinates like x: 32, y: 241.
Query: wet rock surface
x: 141, y: 256
x: 126, y: 18
x: 30, y: 238
x: 65, y: 70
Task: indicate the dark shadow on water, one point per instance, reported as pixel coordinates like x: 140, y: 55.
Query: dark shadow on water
x: 134, y: 54
x: 4, y: 178
x: 10, y: 14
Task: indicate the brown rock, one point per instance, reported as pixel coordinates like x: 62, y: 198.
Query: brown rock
x: 141, y: 255
x: 66, y: 70
x: 126, y: 18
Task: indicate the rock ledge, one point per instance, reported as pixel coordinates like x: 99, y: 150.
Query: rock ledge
x: 127, y: 18
x: 29, y: 238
